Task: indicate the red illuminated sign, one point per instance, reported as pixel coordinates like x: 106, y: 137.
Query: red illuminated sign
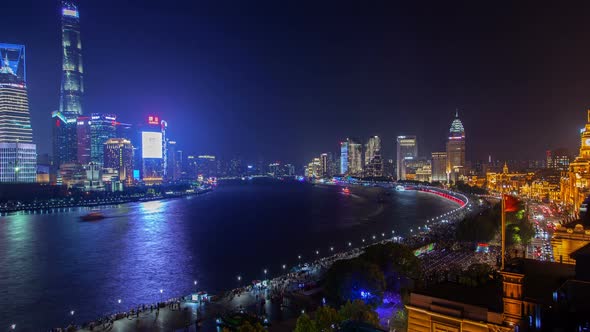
x: 153, y: 120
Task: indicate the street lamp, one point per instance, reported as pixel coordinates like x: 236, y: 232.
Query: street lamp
x: 13, y: 327
x: 317, y: 252
x: 284, y: 266
x: 331, y: 248
x: 239, y: 278
x: 349, y: 244
x: 119, y: 301
x: 72, y: 312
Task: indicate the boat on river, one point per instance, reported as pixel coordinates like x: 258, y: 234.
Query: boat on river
x: 93, y: 216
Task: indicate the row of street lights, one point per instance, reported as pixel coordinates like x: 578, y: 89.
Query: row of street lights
x: 299, y: 257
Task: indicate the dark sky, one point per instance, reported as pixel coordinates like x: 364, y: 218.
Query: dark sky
x: 287, y: 80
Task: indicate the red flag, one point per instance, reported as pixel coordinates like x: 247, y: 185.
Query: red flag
x: 510, y: 203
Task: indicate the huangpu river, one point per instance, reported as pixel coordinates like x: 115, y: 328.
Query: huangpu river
x: 52, y: 263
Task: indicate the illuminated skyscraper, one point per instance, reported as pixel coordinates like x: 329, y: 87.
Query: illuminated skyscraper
x: 373, y: 148
x: 344, y: 157
x: 118, y: 155
x: 355, y: 155
x: 373, y: 160
x: 407, y: 150
x: 92, y: 132
x: 439, y: 166
x: 456, y: 149
x: 351, y: 159
x: 72, y: 87
x: 153, y: 150
x: 72, y: 84
x: 324, y: 165
x: 18, y: 154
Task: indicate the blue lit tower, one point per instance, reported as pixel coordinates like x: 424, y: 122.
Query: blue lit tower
x: 72, y: 84
x: 18, y: 154
x: 72, y: 87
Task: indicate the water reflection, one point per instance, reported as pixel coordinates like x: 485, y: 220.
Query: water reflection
x: 53, y: 263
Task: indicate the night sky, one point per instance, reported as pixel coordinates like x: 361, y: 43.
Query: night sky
x: 287, y: 80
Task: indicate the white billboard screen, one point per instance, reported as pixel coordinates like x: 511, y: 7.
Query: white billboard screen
x: 151, y: 145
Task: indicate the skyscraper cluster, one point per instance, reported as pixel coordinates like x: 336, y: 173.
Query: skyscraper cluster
x: 92, y: 150
x: 366, y: 160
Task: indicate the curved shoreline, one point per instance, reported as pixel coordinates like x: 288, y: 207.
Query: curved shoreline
x: 315, y: 268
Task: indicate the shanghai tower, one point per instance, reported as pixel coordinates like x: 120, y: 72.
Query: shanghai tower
x: 72, y: 86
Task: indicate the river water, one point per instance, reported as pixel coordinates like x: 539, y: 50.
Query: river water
x: 52, y: 263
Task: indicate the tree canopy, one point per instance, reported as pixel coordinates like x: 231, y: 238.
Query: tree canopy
x: 355, y: 279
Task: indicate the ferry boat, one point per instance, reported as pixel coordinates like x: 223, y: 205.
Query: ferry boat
x: 93, y: 216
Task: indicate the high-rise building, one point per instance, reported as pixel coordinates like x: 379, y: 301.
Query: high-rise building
x: 456, y: 149
x: 206, y: 166
x: 118, y: 155
x: 173, y: 172
x: 351, y: 158
x: 18, y: 154
x: 72, y: 84
x: 64, y: 120
x: 324, y: 165
x: 407, y: 150
x: 373, y: 160
x: 355, y: 155
x: 92, y: 132
x: 65, y: 141
x: 439, y: 166
x: 153, y: 150
x: 344, y: 157
x: 558, y: 159
x: 372, y: 148
x: 313, y: 169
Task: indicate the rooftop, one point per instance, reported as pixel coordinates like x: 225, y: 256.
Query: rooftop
x: 488, y: 296
x: 541, y: 278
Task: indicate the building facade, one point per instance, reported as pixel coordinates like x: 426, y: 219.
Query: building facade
x: 118, y: 155
x: 407, y: 150
x: 575, y: 183
x: 344, y: 157
x: 456, y: 149
x: 373, y: 159
x: 92, y: 132
x: 18, y: 154
x: 64, y: 120
x: 153, y: 151
x: 439, y: 166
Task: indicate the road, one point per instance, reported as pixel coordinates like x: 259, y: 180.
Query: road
x: 543, y: 217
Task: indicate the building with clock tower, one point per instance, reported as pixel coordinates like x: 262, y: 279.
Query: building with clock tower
x: 575, y: 185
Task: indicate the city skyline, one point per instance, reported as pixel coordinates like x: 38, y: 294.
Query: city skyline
x: 197, y: 113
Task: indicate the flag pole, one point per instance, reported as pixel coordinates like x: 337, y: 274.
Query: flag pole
x: 503, y: 253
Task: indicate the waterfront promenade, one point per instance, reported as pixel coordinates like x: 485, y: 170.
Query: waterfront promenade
x: 292, y: 299
x: 278, y: 301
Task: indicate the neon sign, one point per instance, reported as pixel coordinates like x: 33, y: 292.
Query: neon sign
x: 153, y: 120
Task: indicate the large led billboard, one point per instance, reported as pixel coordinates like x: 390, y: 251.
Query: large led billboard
x: 151, y: 145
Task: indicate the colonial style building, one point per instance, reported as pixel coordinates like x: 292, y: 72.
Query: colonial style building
x: 507, y: 182
x: 575, y: 182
